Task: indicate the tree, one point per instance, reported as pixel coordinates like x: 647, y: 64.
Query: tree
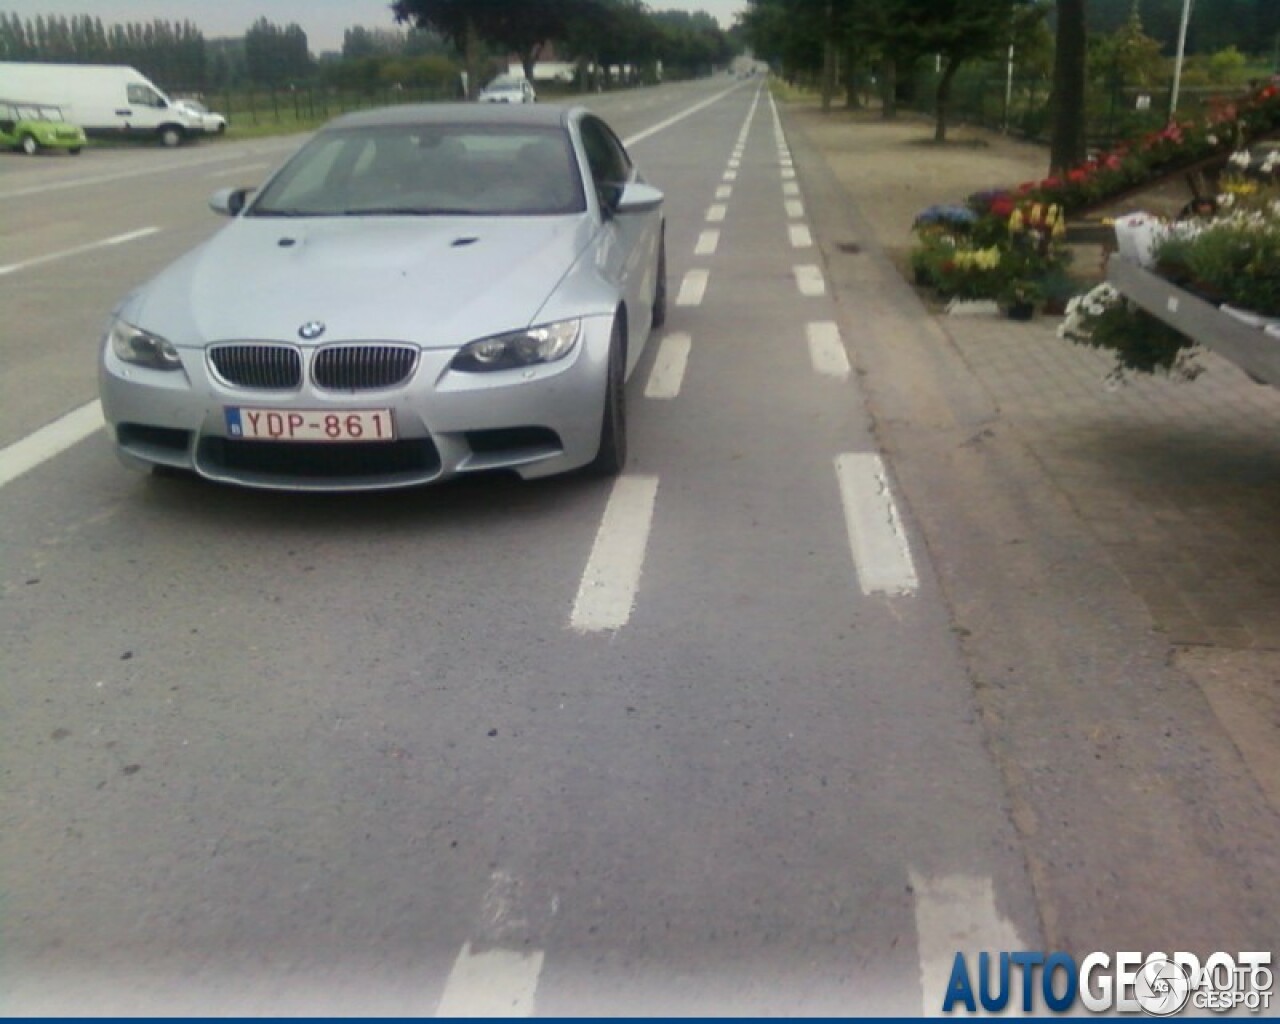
x: 1067, y: 146
x: 518, y: 26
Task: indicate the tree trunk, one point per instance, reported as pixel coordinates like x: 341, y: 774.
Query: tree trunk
x: 828, y: 74
x: 1068, y: 144
x: 471, y: 60
x: 852, y: 100
x: 888, y: 88
x: 942, y: 98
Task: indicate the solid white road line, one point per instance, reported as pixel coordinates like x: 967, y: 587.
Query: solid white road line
x: 957, y: 914
x: 795, y: 208
x: 663, y: 125
x: 881, y: 554
x: 669, y: 366
x: 48, y: 441
x: 809, y: 280
x: 693, y: 288
x: 707, y: 243
x: 228, y: 171
x: 800, y: 237
x: 607, y: 593
x: 128, y: 236
x: 826, y: 350
x: 495, y: 983
x: 716, y: 212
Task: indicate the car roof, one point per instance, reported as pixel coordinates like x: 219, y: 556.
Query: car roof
x: 531, y: 115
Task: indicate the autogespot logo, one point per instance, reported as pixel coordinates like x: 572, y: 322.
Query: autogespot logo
x: 1157, y: 984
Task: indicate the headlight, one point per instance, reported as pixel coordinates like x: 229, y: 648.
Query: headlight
x: 543, y: 344
x: 134, y: 345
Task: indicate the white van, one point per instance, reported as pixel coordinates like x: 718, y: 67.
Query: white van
x: 104, y: 99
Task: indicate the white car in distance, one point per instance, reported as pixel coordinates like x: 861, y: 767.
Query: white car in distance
x: 213, y: 123
x: 508, y: 89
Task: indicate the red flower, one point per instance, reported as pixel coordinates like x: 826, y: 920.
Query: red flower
x: 1001, y: 206
x: 1077, y: 175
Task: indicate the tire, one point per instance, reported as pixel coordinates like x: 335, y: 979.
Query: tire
x: 171, y: 135
x: 660, y: 291
x: 29, y: 145
x: 74, y: 150
x: 611, y: 457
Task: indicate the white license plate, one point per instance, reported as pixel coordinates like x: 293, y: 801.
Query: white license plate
x: 347, y: 426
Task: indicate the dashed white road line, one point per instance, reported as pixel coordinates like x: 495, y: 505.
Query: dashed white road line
x: 693, y: 287
x: 956, y: 913
x: 788, y: 173
x: 494, y: 983
x: 707, y: 243
x: 809, y: 280
x: 724, y: 191
x: 47, y: 442
x: 669, y: 366
x: 607, y: 593
x: 826, y: 350
x: 730, y: 175
x: 800, y: 236
x: 795, y: 209
x: 790, y: 188
x: 716, y: 212
x: 128, y: 236
x: 877, y: 539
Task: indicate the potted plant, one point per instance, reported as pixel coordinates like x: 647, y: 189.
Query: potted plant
x: 1020, y: 298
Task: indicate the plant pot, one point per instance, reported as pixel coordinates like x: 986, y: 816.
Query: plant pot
x: 1021, y: 311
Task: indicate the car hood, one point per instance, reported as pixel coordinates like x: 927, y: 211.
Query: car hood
x: 435, y: 281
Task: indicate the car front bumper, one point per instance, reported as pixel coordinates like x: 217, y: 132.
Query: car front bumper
x: 536, y: 421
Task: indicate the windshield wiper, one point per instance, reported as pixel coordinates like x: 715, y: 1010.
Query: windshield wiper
x: 398, y: 211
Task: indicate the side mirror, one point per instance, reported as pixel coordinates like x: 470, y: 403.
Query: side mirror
x: 638, y: 197
x: 229, y: 201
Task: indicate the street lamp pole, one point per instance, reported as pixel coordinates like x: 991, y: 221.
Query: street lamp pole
x: 1177, y: 65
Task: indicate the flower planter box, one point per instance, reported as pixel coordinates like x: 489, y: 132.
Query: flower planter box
x: 1251, y: 348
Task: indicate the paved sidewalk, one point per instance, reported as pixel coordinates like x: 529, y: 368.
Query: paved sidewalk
x: 1179, y: 480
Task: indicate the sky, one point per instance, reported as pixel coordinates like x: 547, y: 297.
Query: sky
x: 322, y: 20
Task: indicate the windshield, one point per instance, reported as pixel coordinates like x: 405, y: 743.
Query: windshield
x: 482, y: 170
x: 195, y: 105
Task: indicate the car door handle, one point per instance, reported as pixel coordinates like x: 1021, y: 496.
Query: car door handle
x: 124, y: 113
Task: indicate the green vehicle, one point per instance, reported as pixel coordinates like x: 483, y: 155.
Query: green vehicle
x: 32, y: 127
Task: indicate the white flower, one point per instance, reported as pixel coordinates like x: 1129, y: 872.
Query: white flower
x: 1240, y: 158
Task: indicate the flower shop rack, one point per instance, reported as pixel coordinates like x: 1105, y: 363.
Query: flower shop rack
x: 1248, y: 347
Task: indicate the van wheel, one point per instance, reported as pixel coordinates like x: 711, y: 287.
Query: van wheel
x: 29, y: 145
x: 74, y: 151
x: 171, y: 136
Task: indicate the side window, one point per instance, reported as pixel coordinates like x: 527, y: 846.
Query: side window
x: 610, y: 167
x: 142, y: 96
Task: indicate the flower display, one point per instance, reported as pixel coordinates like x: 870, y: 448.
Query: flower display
x: 1102, y: 318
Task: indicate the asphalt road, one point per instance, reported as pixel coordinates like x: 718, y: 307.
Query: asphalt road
x: 659, y: 746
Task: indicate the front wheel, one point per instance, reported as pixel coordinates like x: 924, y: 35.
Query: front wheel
x: 171, y: 136
x: 660, y: 289
x: 74, y: 150
x: 29, y: 145
x: 612, y: 454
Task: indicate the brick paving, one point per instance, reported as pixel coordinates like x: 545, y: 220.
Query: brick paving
x: 1180, y: 480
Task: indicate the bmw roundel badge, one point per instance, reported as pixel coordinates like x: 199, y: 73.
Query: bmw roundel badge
x: 311, y: 330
